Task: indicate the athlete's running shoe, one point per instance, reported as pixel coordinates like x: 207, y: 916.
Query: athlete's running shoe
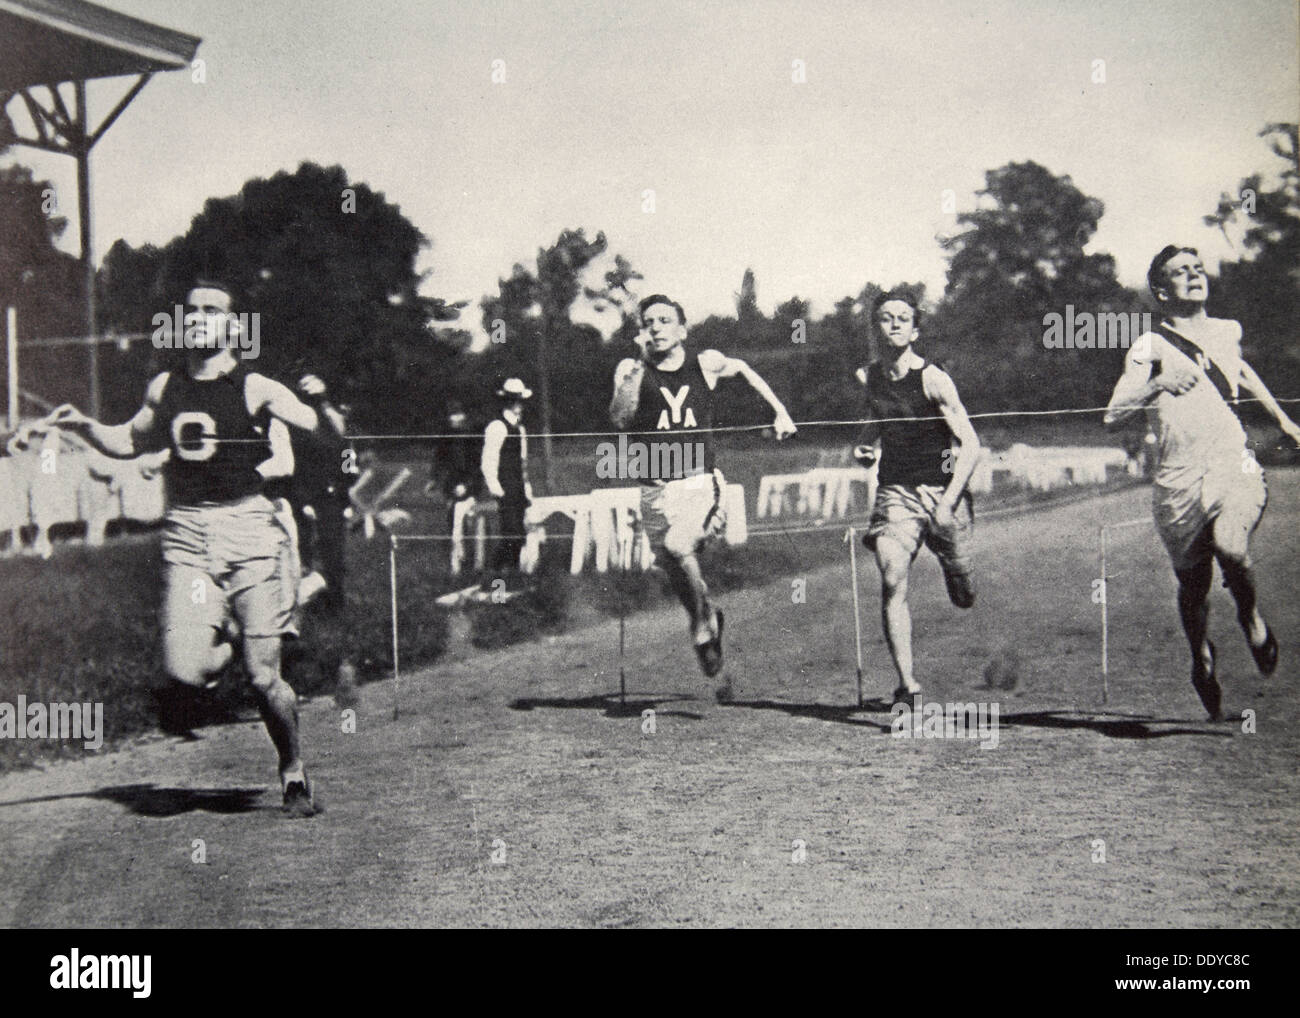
x: 1265, y: 654
x: 298, y: 800
x: 710, y: 653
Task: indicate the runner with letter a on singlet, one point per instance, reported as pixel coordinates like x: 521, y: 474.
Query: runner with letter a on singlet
x: 664, y: 400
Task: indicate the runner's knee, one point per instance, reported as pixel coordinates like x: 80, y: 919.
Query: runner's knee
x: 186, y: 654
x: 1232, y: 557
x: 262, y: 657
x: 1194, y: 584
x: 678, y: 545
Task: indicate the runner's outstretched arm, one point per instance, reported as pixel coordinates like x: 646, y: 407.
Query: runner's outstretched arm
x: 122, y: 441
x: 720, y: 366
x: 1255, y: 384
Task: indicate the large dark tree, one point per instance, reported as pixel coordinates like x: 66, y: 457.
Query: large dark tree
x: 43, y: 285
x: 328, y: 265
x: 1019, y: 257
x: 36, y: 278
x: 1262, y: 288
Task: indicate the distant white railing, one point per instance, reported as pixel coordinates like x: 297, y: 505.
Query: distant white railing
x: 839, y: 492
x: 48, y: 480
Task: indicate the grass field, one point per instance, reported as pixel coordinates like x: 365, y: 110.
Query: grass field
x: 84, y: 626
x: 513, y: 789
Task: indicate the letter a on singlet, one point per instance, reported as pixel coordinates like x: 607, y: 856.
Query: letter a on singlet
x: 675, y: 404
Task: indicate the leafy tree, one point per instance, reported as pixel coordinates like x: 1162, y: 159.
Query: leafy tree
x: 570, y: 365
x: 747, y: 311
x: 1020, y: 257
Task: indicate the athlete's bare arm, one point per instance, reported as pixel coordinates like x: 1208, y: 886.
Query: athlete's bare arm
x: 280, y: 462
x: 627, y: 392
x: 123, y: 441
x: 716, y: 365
x: 262, y: 393
x: 1250, y: 380
x: 944, y: 393
x: 867, y: 454
x: 1136, y: 388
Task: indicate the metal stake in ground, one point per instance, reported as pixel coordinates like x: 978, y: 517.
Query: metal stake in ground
x: 1105, y: 625
x: 392, y: 583
x: 622, y: 676
x: 852, y: 537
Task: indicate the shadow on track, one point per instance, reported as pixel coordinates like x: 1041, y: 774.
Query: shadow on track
x: 151, y: 801
x: 608, y: 704
x: 1114, y: 726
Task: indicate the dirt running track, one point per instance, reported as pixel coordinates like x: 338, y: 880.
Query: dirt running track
x: 514, y: 792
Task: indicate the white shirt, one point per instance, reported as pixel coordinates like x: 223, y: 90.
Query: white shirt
x: 1196, y: 431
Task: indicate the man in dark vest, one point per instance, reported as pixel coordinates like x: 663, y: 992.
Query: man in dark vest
x: 921, y: 494
x: 504, y: 467
x: 223, y: 548
x: 664, y: 400
x: 1209, y: 492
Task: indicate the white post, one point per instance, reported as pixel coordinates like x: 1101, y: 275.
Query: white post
x: 11, y: 339
x: 1105, y: 624
x: 392, y: 575
x: 851, y: 537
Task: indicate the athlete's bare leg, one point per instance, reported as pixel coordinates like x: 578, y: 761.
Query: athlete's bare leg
x: 895, y: 562
x: 1240, y: 580
x: 687, y: 580
x: 194, y: 647
x: 275, y: 697
x: 1194, y: 609
x: 193, y: 654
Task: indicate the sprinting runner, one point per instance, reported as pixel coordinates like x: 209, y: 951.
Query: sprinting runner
x: 920, y: 487
x: 223, y: 548
x: 665, y: 399
x: 1209, y: 492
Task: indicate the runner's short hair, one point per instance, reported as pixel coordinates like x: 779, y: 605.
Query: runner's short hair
x: 1156, y: 273
x: 659, y: 298
x: 903, y: 293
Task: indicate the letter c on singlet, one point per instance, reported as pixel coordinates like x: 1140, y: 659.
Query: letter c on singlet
x: 188, y: 444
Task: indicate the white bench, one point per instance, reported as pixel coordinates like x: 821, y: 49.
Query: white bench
x: 607, y: 527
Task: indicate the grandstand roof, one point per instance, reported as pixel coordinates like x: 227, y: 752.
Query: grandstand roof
x: 44, y: 42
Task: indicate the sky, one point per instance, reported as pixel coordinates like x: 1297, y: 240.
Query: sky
x: 679, y: 130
